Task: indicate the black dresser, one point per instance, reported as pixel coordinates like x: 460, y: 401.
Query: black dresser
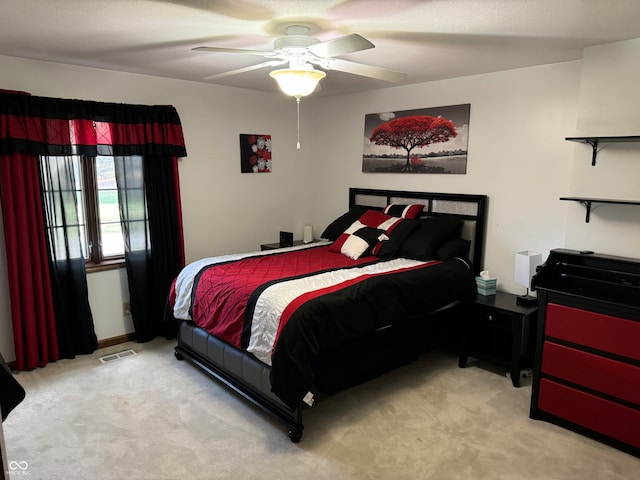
x: 587, y: 358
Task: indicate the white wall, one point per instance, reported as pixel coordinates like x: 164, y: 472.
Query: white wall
x: 517, y: 153
x: 609, y: 106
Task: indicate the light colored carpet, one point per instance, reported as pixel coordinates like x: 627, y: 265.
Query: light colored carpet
x: 150, y: 416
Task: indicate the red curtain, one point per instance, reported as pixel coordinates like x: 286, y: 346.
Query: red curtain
x: 32, y: 313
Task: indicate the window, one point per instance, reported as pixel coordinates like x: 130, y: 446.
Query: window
x: 85, y: 195
x: 104, y: 231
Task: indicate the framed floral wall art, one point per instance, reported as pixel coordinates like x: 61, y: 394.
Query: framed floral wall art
x: 255, y: 153
x: 426, y: 140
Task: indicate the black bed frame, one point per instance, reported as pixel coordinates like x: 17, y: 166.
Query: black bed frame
x: 249, y: 377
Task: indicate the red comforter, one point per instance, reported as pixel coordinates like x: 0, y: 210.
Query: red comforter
x: 221, y: 291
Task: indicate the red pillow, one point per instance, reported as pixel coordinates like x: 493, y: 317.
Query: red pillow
x: 382, y: 221
x: 357, y: 240
x: 411, y: 211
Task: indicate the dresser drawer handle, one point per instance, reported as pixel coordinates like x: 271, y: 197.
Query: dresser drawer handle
x: 490, y: 317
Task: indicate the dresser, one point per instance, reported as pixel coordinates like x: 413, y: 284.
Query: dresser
x: 587, y: 359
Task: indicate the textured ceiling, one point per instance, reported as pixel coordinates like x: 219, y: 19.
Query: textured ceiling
x: 428, y: 39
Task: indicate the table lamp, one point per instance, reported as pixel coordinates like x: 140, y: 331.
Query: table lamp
x: 526, y: 263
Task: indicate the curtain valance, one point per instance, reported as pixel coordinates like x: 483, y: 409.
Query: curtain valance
x: 54, y: 126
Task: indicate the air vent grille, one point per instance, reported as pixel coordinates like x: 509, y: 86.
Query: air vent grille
x: 117, y: 356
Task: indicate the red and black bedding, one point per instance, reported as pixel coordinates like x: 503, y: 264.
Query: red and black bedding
x: 286, y: 307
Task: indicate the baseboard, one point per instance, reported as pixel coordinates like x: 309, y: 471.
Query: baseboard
x: 108, y: 342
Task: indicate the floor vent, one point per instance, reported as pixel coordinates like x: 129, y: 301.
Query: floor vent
x: 117, y: 356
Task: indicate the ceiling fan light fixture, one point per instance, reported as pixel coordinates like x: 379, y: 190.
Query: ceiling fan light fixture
x: 297, y: 82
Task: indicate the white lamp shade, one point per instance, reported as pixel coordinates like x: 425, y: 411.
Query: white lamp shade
x: 297, y: 82
x: 526, y: 263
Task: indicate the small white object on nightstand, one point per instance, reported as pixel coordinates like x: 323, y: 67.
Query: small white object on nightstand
x: 307, y: 236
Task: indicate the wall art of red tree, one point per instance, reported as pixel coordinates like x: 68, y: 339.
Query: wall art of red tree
x: 413, y: 132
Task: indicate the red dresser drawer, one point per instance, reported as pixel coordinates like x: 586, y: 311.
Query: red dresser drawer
x: 608, y: 418
x: 603, y: 332
x: 618, y: 379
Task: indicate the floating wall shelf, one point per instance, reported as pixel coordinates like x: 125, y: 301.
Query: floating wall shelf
x: 594, y: 141
x: 588, y: 202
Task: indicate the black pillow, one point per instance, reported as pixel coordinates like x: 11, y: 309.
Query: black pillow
x: 458, y: 247
x: 397, y: 236
x: 340, y: 224
x: 432, y: 232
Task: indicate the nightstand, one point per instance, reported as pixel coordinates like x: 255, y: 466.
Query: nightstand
x: 273, y: 246
x: 497, y: 329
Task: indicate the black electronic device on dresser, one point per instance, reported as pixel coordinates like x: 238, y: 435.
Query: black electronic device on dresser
x: 587, y: 363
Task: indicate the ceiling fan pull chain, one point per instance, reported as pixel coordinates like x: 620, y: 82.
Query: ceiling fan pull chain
x: 298, y: 107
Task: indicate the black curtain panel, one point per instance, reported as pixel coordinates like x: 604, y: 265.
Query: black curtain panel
x: 165, y: 224
x: 137, y: 243
x: 61, y: 189
x: 150, y: 225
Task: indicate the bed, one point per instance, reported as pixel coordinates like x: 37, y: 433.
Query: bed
x: 290, y: 327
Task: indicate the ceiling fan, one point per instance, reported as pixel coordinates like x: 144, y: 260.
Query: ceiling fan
x: 301, y: 50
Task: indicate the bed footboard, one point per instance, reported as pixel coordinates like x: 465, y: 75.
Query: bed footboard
x: 338, y: 370
x: 237, y: 370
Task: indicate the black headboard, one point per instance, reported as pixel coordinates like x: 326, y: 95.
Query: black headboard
x: 472, y: 209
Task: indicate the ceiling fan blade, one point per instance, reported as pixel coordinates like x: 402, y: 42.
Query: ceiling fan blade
x: 261, y: 53
x: 271, y: 63
x: 366, y: 70
x: 340, y: 46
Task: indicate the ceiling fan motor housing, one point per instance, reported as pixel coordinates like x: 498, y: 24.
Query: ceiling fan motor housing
x: 294, y: 43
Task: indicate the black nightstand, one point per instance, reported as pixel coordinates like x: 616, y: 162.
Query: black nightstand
x: 273, y: 246
x: 496, y: 329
